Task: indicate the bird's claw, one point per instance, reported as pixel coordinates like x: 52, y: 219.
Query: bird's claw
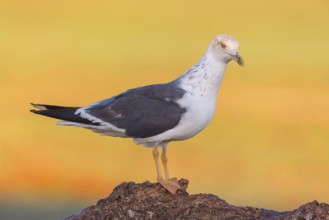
x: 172, y: 185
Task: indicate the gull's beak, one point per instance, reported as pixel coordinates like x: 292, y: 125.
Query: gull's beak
x: 238, y: 59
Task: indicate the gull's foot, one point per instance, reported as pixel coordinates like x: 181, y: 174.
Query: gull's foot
x: 172, y: 185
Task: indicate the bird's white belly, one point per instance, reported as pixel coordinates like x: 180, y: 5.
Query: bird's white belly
x: 199, y: 112
x: 197, y: 116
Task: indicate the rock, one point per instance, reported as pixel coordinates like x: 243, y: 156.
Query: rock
x: 151, y: 201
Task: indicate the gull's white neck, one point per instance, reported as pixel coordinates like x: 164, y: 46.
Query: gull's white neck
x: 204, y: 78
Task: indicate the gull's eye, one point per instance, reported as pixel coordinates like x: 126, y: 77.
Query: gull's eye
x: 222, y: 45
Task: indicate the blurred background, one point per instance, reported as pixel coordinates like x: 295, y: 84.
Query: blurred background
x: 267, y: 146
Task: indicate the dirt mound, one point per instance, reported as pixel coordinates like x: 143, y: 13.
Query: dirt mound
x: 151, y: 201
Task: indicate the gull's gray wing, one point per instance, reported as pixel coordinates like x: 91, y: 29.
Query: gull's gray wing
x: 141, y: 112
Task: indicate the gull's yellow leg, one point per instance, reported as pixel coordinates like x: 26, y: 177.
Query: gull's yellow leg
x: 165, y: 161
x: 157, y: 163
x: 172, y: 185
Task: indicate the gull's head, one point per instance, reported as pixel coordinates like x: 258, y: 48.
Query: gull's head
x: 224, y: 48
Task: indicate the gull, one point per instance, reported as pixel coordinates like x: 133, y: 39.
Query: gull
x: 155, y: 115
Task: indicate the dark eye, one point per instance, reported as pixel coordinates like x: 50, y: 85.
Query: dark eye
x: 222, y: 45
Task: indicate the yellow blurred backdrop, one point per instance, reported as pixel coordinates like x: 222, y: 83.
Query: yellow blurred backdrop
x: 267, y: 146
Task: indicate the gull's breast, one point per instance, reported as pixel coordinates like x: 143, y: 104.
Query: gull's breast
x: 199, y: 112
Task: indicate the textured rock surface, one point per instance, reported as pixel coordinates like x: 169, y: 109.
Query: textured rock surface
x: 151, y: 201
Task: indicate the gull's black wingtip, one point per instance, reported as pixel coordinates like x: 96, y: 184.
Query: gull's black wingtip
x: 39, y: 109
x: 39, y: 106
x: 59, y: 112
x: 34, y: 111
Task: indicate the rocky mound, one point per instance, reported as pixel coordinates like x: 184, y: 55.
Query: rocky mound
x: 151, y: 201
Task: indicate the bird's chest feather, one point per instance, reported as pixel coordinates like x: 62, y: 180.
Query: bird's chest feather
x: 199, y: 112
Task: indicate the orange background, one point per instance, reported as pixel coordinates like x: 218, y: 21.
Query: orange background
x: 267, y: 146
